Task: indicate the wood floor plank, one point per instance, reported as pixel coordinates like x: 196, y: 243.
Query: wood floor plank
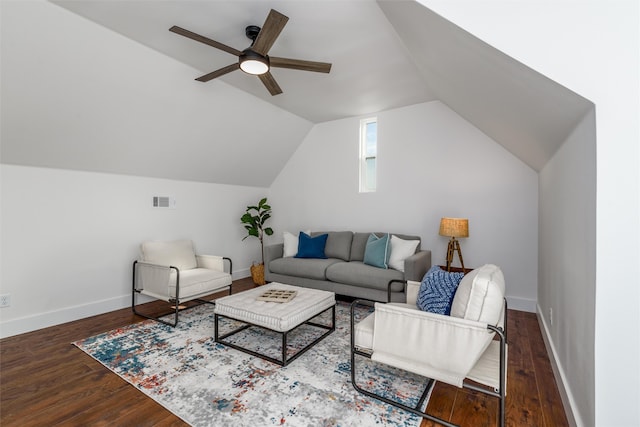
x: 518, y: 340
x: 62, y: 403
x: 522, y: 402
x: 475, y: 409
x: 46, y: 381
x: 550, y: 400
x: 441, y: 403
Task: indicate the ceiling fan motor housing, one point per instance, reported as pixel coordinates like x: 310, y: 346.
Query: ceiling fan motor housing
x: 252, y: 32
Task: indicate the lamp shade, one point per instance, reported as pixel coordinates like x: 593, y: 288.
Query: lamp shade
x: 454, y: 227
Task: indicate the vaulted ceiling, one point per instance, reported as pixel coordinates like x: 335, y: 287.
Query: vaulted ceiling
x: 385, y: 54
x: 371, y: 71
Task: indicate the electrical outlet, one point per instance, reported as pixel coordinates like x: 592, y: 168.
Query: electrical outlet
x: 5, y: 300
x: 551, y: 316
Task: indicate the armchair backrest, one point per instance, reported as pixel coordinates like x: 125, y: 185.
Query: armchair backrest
x: 480, y: 295
x: 178, y: 253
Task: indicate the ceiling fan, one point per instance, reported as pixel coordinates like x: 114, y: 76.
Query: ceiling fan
x: 254, y: 59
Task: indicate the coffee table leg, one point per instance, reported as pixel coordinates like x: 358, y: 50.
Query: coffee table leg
x: 284, y: 348
x: 215, y: 331
x: 333, y: 318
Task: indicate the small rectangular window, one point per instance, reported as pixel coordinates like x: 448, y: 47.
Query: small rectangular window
x: 368, y: 154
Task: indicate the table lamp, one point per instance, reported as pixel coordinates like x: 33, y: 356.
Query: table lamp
x: 454, y: 227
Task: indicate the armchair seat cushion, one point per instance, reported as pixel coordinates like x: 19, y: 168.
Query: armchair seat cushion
x: 197, y: 282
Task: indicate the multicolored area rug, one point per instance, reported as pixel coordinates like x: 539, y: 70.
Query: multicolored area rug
x: 208, y: 384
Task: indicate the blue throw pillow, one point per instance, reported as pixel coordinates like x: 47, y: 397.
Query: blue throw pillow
x: 311, y: 247
x: 376, y: 252
x: 437, y: 290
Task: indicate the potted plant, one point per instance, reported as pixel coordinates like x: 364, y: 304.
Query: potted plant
x: 254, y: 220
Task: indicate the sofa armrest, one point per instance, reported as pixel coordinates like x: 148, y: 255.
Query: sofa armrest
x: 417, y: 265
x: 272, y: 252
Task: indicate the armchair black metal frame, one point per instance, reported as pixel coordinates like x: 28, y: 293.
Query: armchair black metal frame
x: 500, y: 393
x: 176, y: 302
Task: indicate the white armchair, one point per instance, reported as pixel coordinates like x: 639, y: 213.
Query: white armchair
x: 443, y: 348
x: 171, y: 271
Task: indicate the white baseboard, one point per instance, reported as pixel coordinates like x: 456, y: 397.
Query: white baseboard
x: 573, y: 417
x: 34, y: 322
x: 241, y: 273
x: 21, y: 325
x: 522, y: 304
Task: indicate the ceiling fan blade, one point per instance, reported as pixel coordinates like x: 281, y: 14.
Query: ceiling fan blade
x: 221, y: 72
x: 270, y: 31
x: 270, y: 83
x: 298, y: 64
x: 205, y: 40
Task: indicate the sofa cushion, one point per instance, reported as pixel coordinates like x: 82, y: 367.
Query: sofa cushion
x: 437, y: 290
x: 303, y: 267
x: 290, y: 243
x: 480, y: 295
x: 359, y: 244
x: 401, y: 249
x: 338, y: 244
x: 178, y: 253
x: 359, y: 274
x: 311, y: 247
x: 376, y: 253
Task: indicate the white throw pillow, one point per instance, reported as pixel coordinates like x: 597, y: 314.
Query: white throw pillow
x: 400, y: 250
x: 291, y: 243
x: 480, y: 295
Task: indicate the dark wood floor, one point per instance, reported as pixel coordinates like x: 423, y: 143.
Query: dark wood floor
x: 46, y: 381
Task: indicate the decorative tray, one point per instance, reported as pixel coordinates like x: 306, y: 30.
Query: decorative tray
x: 277, y: 295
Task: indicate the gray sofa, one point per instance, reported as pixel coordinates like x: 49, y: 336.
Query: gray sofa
x: 344, y: 272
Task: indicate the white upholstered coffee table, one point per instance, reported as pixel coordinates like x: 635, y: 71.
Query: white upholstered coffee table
x: 279, y: 317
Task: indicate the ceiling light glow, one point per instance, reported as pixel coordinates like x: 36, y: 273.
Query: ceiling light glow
x: 253, y: 63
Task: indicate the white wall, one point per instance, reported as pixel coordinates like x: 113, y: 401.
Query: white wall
x: 69, y: 238
x: 591, y: 47
x: 567, y: 270
x: 432, y: 163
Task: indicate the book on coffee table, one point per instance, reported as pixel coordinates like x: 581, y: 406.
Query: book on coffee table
x: 277, y: 295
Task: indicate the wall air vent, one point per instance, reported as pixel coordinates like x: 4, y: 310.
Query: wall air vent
x: 164, y: 202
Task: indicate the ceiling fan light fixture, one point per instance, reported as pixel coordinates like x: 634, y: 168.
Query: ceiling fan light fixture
x: 253, y: 63
x: 255, y: 59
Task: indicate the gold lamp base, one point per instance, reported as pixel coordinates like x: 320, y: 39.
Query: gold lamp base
x: 454, y: 245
